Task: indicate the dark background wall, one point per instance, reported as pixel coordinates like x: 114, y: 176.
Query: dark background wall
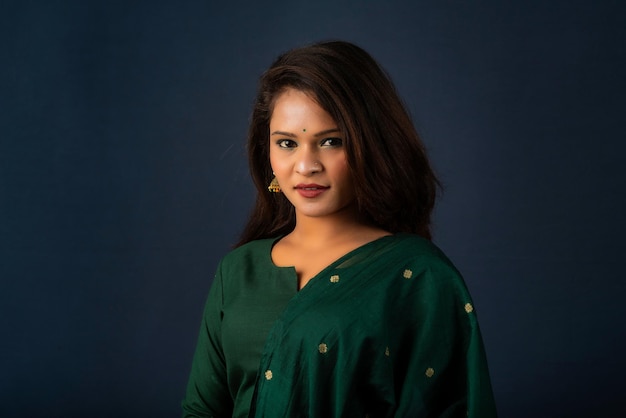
x: 123, y: 180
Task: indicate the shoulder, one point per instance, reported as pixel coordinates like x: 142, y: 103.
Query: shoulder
x: 428, y: 275
x: 252, y: 253
x: 416, y: 249
x: 421, y: 260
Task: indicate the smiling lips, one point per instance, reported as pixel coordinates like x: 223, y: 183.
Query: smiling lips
x: 310, y: 190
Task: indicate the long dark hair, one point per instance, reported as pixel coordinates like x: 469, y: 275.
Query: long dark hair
x: 395, y: 186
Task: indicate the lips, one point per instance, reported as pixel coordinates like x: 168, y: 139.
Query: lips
x: 310, y: 190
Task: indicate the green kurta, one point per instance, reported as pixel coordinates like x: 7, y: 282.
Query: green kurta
x: 388, y: 330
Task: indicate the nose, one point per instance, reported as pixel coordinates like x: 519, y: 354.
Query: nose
x: 308, y: 162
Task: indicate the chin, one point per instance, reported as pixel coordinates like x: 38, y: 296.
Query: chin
x: 325, y: 212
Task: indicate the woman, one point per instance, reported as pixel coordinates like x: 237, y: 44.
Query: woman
x: 336, y: 303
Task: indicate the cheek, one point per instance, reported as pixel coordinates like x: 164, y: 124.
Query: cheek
x: 343, y: 172
x: 279, y: 166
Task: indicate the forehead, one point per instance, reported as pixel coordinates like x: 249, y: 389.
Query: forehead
x: 295, y: 107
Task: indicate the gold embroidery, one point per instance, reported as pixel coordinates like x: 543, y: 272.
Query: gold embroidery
x: 268, y: 375
x: 387, y: 351
x: 334, y: 278
x: 429, y: 372
x: 468, y: 307
x: 323, y: 348
x: 407, y: 274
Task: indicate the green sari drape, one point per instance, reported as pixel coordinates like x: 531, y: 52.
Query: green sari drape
x: 388, y: 330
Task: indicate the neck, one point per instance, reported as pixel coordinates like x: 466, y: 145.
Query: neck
x: 316, y: 231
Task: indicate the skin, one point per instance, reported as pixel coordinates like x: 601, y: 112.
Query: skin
x: 306, y: 148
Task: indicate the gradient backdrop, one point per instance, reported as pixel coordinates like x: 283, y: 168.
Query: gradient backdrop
x: 123, y: 180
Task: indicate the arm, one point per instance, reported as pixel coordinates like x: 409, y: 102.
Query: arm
x: 445, y: 372
x: 207, y: 389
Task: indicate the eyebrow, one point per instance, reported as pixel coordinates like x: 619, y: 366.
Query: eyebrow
x: 292, y: 135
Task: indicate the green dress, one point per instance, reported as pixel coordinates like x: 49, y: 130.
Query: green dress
x: 388, y: 330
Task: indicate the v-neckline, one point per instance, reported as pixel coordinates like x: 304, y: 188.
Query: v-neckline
x: 330, y: 266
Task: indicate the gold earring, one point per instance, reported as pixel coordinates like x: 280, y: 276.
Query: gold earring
x: 274, y: 187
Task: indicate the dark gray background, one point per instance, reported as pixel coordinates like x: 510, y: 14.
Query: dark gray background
x: 123, y: 180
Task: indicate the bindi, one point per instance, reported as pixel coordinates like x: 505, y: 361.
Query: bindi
x: 304, y: 130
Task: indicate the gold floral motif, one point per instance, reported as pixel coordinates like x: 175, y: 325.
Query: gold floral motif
x: 268, y: 375
x: 323, y: 348
x: 334, y: 278
x: 430, y: 372
x: 468, y: 307
x: 407, y: 274
x: 387, y: 351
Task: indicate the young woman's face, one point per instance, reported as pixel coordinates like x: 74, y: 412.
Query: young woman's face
x: 308, y: 157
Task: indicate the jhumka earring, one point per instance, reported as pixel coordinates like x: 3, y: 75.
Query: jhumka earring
x: 274, y: 187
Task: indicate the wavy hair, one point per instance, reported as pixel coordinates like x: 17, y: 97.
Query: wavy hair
x: 395, y: 186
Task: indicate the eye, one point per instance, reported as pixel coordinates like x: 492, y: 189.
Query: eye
x: 332, y: 142
x: 286, y: 143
